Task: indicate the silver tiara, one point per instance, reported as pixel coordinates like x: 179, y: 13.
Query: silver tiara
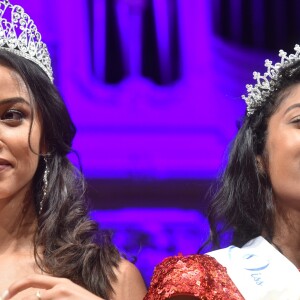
x: 258, y: 93
x: 19, y: 35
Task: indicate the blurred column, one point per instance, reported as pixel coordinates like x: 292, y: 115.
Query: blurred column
x: 265, y: 24
x: 130, y: 14
x: 164, y: 14
x: 97, y: 15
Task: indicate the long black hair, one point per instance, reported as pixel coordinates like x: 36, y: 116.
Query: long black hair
x: 243, y: 202
x: 73, y: 246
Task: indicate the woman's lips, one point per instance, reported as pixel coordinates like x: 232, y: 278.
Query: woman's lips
x: 4, y: 164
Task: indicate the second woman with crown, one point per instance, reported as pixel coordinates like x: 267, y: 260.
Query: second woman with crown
x: 257, y: 202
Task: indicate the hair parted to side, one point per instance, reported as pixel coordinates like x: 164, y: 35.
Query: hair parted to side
x: 243, y: 201
x: 73, y: 246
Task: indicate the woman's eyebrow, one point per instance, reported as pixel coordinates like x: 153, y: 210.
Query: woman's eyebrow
x: 13, y: 100
x: 297, y: 105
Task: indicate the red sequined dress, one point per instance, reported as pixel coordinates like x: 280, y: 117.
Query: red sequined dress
x: 200, y: 276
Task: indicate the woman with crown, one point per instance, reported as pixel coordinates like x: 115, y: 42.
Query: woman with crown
x: 257, y: 201
x: 50, y: 249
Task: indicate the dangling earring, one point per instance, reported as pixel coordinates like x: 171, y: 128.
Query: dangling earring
x: 260, y: 166
x: 45, y: 184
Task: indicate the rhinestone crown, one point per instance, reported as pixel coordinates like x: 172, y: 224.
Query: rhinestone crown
x: 258, y: 93
x: 19, y: 35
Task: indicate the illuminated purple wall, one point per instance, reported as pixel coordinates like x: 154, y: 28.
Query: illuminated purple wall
x: 155, y: 94
x: 135, y: 127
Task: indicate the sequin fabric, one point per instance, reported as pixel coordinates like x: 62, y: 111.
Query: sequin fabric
x: 200, y: 276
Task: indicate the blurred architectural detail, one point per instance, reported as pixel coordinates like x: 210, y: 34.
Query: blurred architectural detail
x: 134, y: 39
x: 150, y: 82
x: 141, y: 87
x: 261, y: 24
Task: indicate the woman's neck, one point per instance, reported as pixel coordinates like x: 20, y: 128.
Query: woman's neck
x: 18, y: 223
x: 287, y: 235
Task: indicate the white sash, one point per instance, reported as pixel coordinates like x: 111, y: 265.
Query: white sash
x: 259, y: 271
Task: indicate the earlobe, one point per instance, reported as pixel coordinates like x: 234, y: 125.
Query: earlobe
x: 260, y: 165
x: 43, y: 147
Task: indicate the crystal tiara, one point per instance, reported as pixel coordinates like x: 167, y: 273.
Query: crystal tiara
x: 19, y: 35
x: 258, y: 93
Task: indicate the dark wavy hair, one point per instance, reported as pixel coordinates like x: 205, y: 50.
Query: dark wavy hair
x: 73, y: 246
x: 243, y: 202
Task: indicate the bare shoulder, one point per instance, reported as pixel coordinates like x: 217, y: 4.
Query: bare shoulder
x: 130, y: 284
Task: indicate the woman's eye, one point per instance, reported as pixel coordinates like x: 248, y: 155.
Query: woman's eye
x: 12, y: 116
x: 296, y: 122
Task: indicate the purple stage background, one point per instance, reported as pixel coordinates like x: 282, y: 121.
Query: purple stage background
x: 154, y: 89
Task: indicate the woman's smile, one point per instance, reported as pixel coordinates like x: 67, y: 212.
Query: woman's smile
x: 5, y: 165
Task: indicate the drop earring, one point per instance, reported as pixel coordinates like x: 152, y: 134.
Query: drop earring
x: 45, y: 184
x: 260, y: 166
